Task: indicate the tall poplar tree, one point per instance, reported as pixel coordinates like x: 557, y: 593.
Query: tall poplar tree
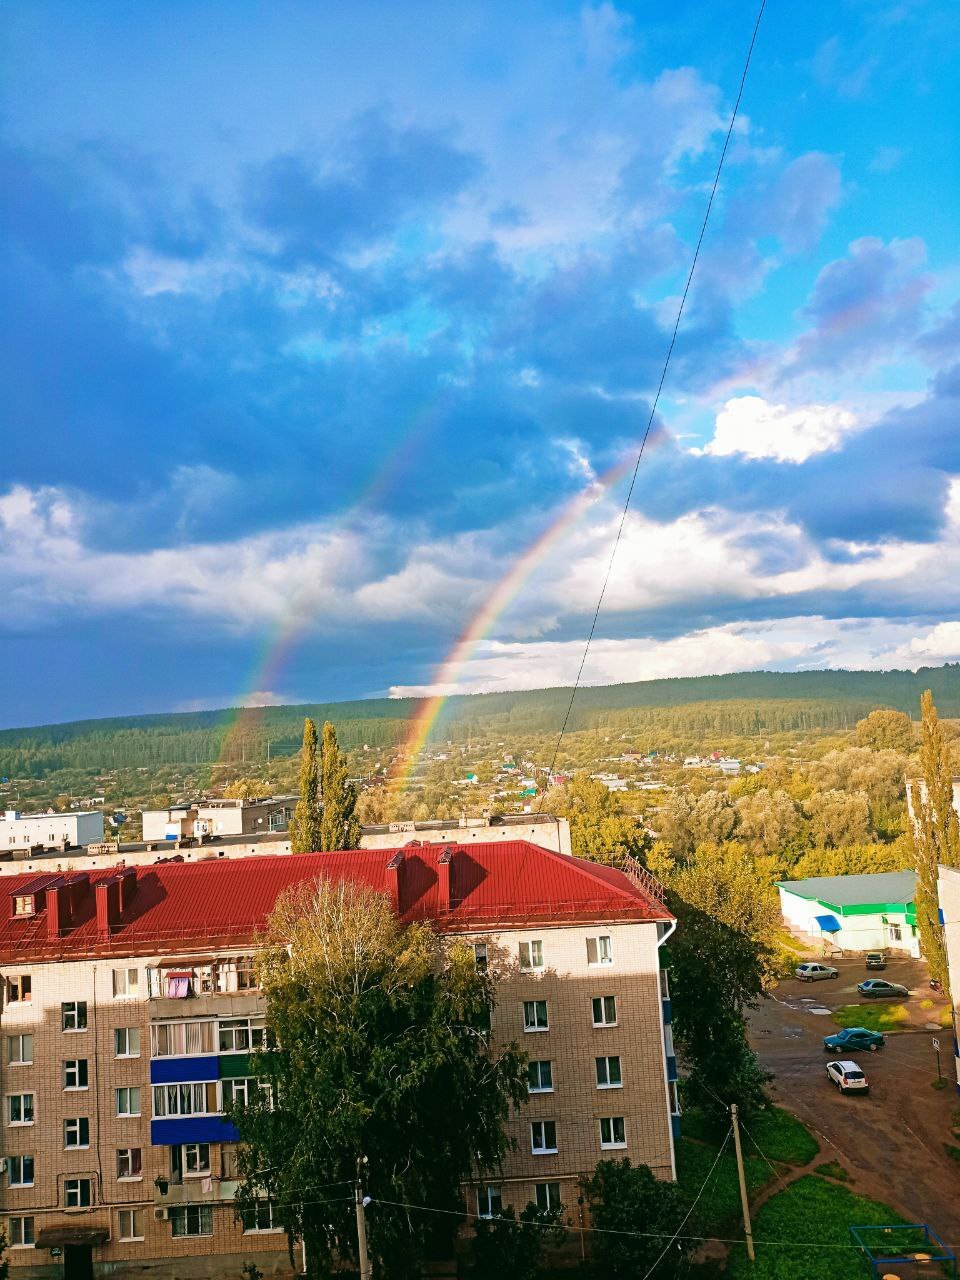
x: 339, y: 826
x: 936, y: 833
x: 305, y: 823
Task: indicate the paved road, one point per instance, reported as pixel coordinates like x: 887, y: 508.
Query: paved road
x: 892, y: 1141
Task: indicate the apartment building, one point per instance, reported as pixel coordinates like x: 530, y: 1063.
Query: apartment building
x: 25, y: 831
x: 210, y: 819
x: 130, y: 1010
x: 949, y: 894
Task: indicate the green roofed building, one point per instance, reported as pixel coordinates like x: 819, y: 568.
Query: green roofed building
x: 872, y: 912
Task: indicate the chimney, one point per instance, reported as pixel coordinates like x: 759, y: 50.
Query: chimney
x: 393, y: 879
x: 56, y: 906
x: 128, y: 886
x: 112, y: 896
x: 444, y: 874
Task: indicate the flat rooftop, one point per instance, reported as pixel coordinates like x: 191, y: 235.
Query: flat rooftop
x: 856, y: 891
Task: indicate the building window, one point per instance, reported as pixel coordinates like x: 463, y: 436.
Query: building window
x: 540, y: 1077
x: 73, y: 1015
x: 129, y: 1162
x: 126, y: 983
x: 181, y: 1039
x: 604, y: 1011
x: 76, y: 1133
x: 192, y: 1220
x: 543, y: 1137
x: 535, y: 1015
x: 489, y: 1202
x: 75, y: 1073
x: 131, y: 1224
x: 236, y: 975
x: 612, y: 1132
x: 20, y: 1108
x: 664, y: 985
x: 19, y: 989
x: 20, y: 1233
x: 600, y: 950
x: 240, y: 1035
x: 196, y: 1157
x: 20, y: 1171
x: 259, y: 1217
x: 229, y: 1163
x: 20, y: 1051
x: 608, y: 1073
x: 23, y: 904
x: 240, y: 1092
x: 480, y: 956
x: 674, y: 1097
x: 126, y: 1042
x: 76, y: 1193
x: 548, y: 1196
x: 128, y: 1101
x: 178, y: 986
x: 896, y: 933
x: 198, y: 1098
x: 247, y: 981
x: 531, y: 954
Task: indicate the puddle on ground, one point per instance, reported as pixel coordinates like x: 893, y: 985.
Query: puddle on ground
x: 819, y: 1009
x: 933, y: 1026
x: 792, y: 1033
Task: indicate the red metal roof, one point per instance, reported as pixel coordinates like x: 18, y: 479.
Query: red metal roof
x: 225, y: 901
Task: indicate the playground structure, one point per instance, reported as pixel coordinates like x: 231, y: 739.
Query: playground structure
x: 905, y: 1251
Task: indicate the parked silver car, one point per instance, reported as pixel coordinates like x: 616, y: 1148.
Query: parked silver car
x: 813, y: 972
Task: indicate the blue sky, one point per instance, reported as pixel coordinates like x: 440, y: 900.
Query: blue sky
x: 315, y: 317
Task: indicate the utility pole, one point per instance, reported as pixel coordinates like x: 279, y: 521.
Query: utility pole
x: 747, y: 1227
x: 361, y: 1201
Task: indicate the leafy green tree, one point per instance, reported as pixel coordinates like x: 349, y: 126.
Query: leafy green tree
x: 627, y: 1198
x: 713, y: 818
x: 733, y: 887
x: 769, y: 819
x: 936, y: 834
x: 4, y: 1261
x: 839, y: 817
x: 884, y: 728
x: 246, y: 789
x: 372, y: 1024
x: 716, y: 973
x: 339, y: 825
x: 305, y: 823
x: 511, y: 1247
x: 599, y: 828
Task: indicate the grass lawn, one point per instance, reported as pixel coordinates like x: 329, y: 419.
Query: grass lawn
x: 875, y: 1017
x: 781, y: 1136
x: 831, y: 1169
x: 814, y: 1212
x: 719, y: 1205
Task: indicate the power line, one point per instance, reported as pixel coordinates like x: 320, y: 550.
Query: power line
x: 656, y: 398
x: 696, y: 1201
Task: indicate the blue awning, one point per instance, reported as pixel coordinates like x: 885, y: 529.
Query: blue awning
x: 828, y: 924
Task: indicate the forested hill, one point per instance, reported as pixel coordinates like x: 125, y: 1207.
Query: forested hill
x: 745, y: 702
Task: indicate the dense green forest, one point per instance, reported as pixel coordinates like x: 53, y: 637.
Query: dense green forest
x: 745, y: 703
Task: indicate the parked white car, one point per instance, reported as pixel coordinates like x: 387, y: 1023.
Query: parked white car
x: 813, y: 972
x: 847, y: 1076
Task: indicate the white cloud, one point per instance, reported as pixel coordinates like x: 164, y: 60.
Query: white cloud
x: 755, y: 428
x: 940, y: 644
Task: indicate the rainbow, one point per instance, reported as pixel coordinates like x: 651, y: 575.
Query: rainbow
x: 503, y: 593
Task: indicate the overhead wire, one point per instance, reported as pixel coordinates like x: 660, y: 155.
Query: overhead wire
x: 656, y: 398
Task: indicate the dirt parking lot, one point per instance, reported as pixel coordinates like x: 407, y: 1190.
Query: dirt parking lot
x: 891, y: 1141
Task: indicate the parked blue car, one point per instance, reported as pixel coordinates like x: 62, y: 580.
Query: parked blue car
x: 854, y: 1038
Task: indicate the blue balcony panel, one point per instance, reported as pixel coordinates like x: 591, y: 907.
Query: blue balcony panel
x: 671, y: 1067
x: 171, y: 1132
x: 667, y: 1012
x: 675, y: 1126
x: 181, y: 1070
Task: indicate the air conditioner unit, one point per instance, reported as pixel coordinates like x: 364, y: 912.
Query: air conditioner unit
x: 161, y: 1215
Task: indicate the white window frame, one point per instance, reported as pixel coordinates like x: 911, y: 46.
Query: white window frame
x: 547, y: 1196
x: 613, y: 1144
x: 180, y: 1032
x: 130, y: 1091
x: 14, y: 1160
x: 73, y: 1187
x: 77, y: 1121
x: 129, y: 1219
x: 128, y: 1153
x: 603, y: 1073
x: 200, y: 1170
x: 18, y: 1040
x: 255, y: 1030
x: 540, y: 1063
x: 182, y: 1098
x: 603, y: 1011
x: 200, y: 1214
x: 487, y: 1196
x: 531, y: 955
x: 600, y: 946
x: 538, y: 1129
x: 257, y: 1230
x: 24, y: 905
x: 481, y: 957
x: 535, y: 1026
x: 13, y: 1098
x: 74, y: 1065
x: 22, y: 1230
x: 126, y: 1033
x: 70, y: 1011
x: 126, y: 983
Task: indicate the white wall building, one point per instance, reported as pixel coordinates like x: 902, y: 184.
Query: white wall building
x: 49, y: 830
x: 854, y: 913
x: 205, y: 819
